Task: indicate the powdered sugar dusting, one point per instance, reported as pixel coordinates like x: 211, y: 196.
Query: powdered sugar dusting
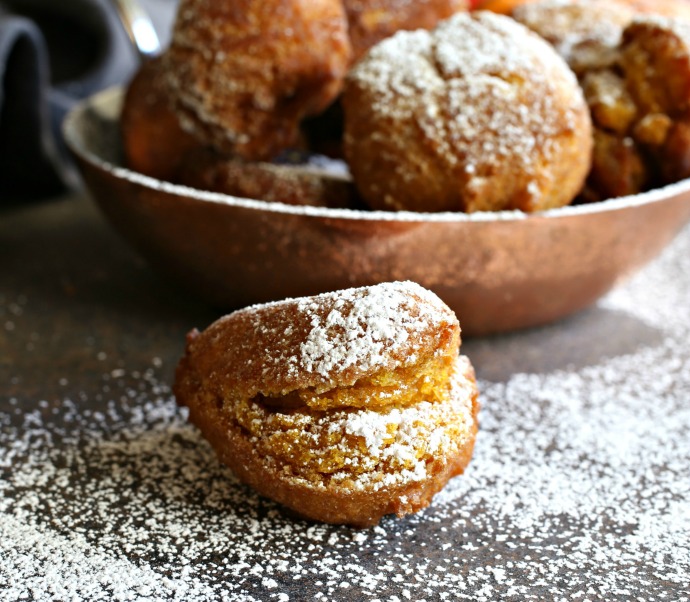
x: 412, y: 425
x: 361, y: 449
x: 492, y: 46
x: 578, y: 489
x: 366, y: 326
x: 100, y: 149
x: 472, y: 69
x: 446, y: 107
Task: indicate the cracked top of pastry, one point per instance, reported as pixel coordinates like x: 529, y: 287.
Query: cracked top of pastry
x: 478, y: 114
x: 393, y: 340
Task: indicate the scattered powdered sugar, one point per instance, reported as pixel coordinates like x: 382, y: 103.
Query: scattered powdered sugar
x: 578, y: 490
x: 492, y: 45
x: 365, y: 327
x: 372, y: 427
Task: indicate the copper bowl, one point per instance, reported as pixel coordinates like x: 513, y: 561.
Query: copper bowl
x: 498, y: 271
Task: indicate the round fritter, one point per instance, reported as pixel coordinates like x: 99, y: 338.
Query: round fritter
x: 243, y: 74
x: 343, y: 407
x: 478, y: 114
x: 323, y: 342
x: 153, y: 139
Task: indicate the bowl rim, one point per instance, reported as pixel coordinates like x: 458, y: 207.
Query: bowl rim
x: 114, y: 94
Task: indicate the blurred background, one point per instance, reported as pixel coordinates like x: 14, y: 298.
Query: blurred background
x: 52, y: 55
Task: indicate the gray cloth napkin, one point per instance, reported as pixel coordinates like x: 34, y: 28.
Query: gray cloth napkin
x: 53, y: 53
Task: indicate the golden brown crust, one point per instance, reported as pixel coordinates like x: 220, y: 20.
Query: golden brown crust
x: 641, y: 110
x: 655, y: 57
x: 321, y: 342
x: 370, y: 21
x: 675, y: 152
x: 635, y: 74
x: 502, y: 7
x: 587, y: 33
x: 618, y: 168
x: 334, y: 502
x: 343, y: 407
x: 244, y: 74
x: 479, y: 114
x: 290, y: 184
x: 153, y: 140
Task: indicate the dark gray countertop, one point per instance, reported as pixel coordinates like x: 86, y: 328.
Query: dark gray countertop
x: 579, y: 489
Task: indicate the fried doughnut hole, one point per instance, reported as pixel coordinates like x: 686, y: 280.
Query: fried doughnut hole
x: 244, y: 74
x: 479, y: 114
x: 344, y: 407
